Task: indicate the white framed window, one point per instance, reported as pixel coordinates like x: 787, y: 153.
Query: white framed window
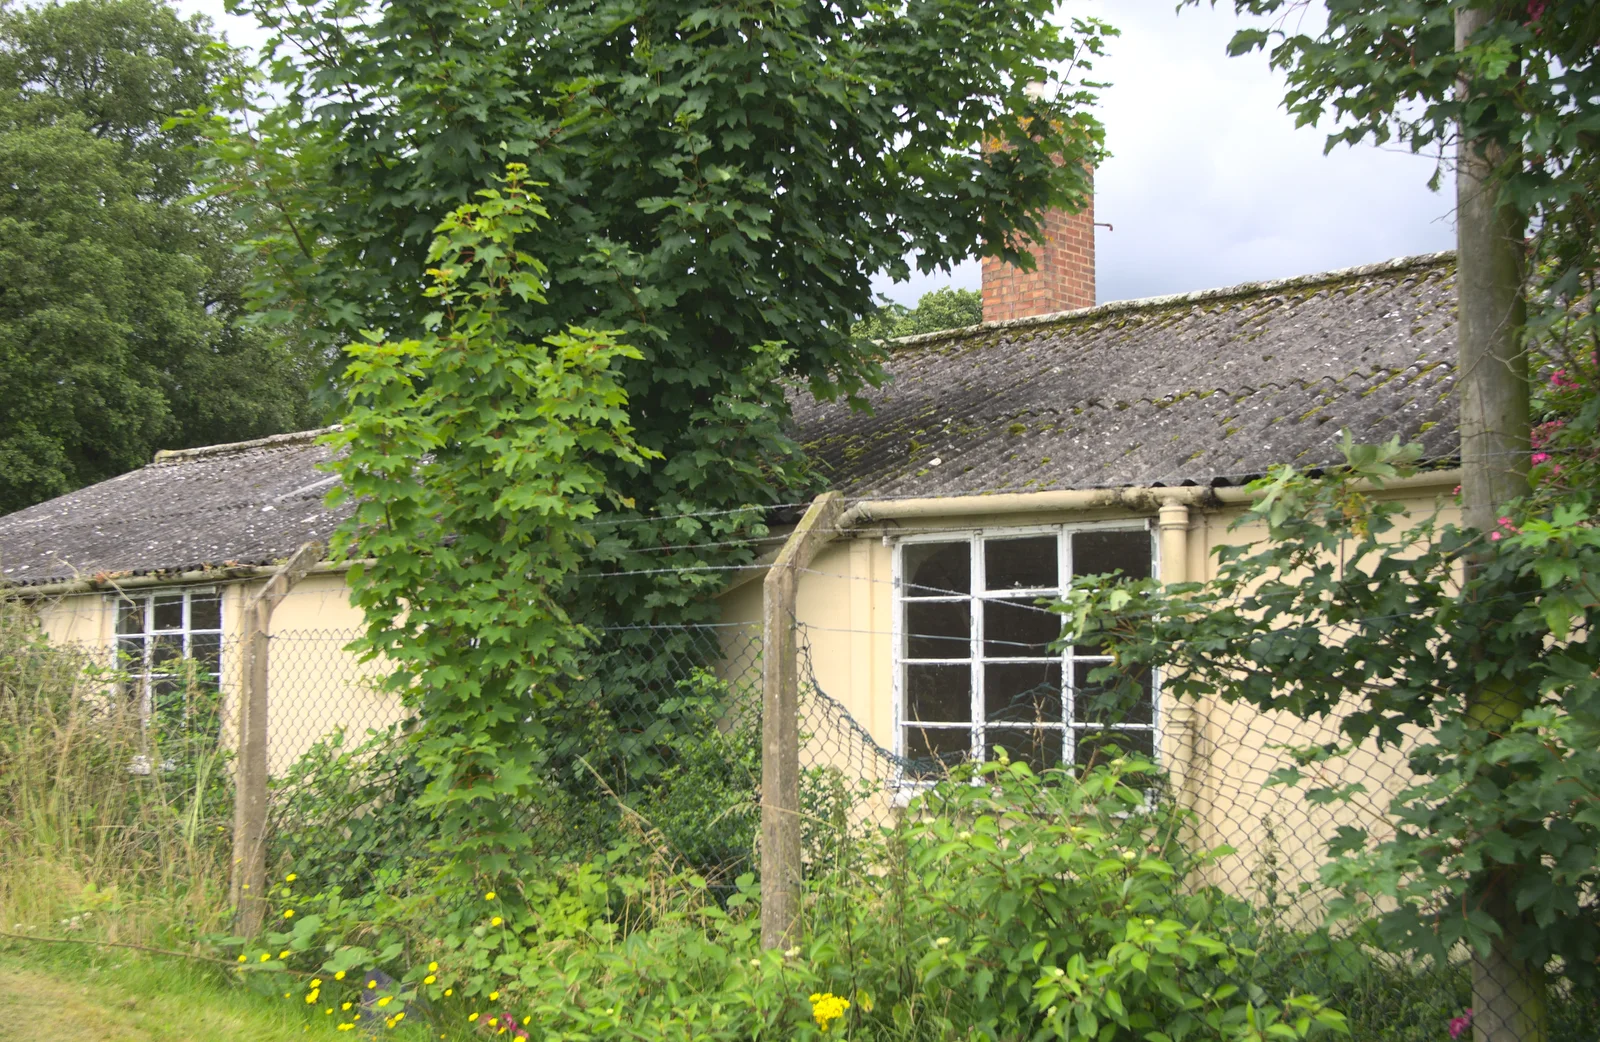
x: 974, y: 670
x: 168, y: 642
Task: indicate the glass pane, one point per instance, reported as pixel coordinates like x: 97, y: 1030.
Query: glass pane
x: 932, y: 569
x: 205, y: 612
x: 1038, y: 747
x: 130, y: 616
x: 1109, y: 702
x: 1097, y: 552
x: 1097, y: 747
x: 130, y: 653
x: 934, y: 750
x: 1020, y: 564
x: 167, y: 613
x: 1018, y: 629
x: 939, y: 694
x: 1022, y: 692
x: 166, y: 694
x: 206, y: 650
x: 166, y: 652
x: 938, y: 629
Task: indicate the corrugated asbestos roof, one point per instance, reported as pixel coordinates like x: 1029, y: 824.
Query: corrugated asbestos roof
x: 1201, y: 388
x: 245, y: 504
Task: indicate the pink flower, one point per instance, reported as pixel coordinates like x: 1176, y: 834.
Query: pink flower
x: 1458, y: 1025
x: 1503, y: 522
x: 1494, y: 537
x: 1540, y: 457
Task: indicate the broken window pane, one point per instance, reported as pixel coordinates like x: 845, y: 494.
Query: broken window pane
x: 1020, y: 564
x: 934, y: 569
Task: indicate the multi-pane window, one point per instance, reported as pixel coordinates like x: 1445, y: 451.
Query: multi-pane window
x: 974, y: 660
x: 169, y: 643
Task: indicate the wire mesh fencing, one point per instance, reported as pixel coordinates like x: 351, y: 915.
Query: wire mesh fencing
x: 659, y: 743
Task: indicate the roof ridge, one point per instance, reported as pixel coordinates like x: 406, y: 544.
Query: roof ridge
x: 227, y: 448
x: 1243, y: 289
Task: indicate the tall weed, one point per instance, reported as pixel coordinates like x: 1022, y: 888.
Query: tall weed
x: 112, y: 824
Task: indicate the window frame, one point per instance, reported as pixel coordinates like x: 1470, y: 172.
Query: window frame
x: 144, y: 673
x: 977, y: 724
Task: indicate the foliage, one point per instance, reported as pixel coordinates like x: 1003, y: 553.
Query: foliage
x: 1048, y: 907
x: 116, y: 321
x: 108, y: 821
x: 473, y: 432
x: 724, y: 181
x: 938, y: 309
x: 1350, y: 609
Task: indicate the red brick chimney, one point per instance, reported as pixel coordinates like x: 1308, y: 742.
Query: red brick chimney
x: 1063, y: 279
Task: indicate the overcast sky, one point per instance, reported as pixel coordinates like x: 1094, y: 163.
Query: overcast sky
x: 1209, y: 183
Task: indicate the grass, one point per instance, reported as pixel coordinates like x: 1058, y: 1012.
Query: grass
x: 78, y: 995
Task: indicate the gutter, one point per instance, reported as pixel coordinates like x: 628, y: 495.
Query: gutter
x: 235, y: 573
x: 1139, y: 500
x: 1145, y: 500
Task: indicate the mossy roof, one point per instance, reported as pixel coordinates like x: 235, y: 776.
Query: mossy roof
x: 1203, y: 388
x: 1206, y: 388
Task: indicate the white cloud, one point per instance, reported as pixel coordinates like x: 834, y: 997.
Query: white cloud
x: 1210, y: 183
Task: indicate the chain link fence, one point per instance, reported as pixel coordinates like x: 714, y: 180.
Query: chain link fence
x: 661, y: 742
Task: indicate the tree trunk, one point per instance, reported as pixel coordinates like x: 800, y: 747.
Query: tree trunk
x: 1508, y: 994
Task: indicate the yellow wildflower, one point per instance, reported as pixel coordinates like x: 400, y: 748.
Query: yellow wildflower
x: 345, y: 1006
x: 266, y: 957
x: 385, y: 1000
x: 288, y: 913
x: 241, y: 958
x: 291, y: 877
x: 346, y: 1026
x: 827, y: 1007
x: 339, y: 975
x: 432, y: 967
x: 316, y: 982
x: 448, y: 991
x: 489, y: 896
x: 496, y: 921
x: 429, y: 979
x: 471, y: 1017
x: 493, y: 995
x: 398, y: 1017
x: 284, y: 954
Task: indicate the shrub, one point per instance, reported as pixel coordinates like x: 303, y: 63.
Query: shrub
x: 1019, y: 907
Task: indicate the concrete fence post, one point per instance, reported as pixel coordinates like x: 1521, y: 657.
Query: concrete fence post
x: 781, y: 853
x: 249, y: 885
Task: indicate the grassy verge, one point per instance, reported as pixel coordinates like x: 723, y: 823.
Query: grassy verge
x: 75, y: 995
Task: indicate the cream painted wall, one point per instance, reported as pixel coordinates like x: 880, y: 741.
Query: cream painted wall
x: 315, y: 686
x: 1220, y: 755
